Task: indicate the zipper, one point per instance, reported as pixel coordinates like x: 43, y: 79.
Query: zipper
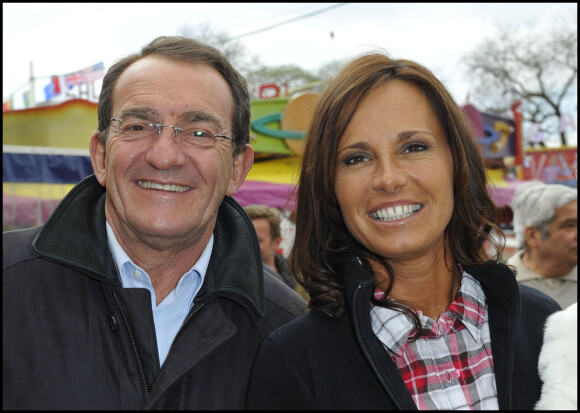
x: 512, y: 352
x: 134, y: 345
x: 365, y: 351
x: 189, y: 317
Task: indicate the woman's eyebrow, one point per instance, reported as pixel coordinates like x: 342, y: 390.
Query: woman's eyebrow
x: 401, y: 137
x: 406, y: 135
x: 357, y: 145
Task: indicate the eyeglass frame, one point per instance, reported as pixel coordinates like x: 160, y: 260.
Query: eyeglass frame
x: 177, y: 129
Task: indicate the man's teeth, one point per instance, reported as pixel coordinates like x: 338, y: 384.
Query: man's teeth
x: 398, y: 212
x: 166, y: 187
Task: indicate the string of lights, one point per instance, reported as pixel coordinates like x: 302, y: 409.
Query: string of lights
x: 288, y: 21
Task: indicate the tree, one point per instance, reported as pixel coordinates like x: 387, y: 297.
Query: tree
x: 233, y: 49
x: 329, y: 69
x: 540, y: 71
x: 290, y: 77
x: 256, y: 74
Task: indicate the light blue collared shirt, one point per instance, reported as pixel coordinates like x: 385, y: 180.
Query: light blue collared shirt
x: 171, y: 312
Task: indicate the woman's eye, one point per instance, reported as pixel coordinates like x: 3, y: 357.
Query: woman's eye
x: 415, y: 147
x: 354, y: 159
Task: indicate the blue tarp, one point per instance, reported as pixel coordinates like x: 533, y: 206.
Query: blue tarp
x: 45, y: 168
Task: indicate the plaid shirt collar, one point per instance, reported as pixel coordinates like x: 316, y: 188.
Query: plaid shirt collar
x: 467, y: 311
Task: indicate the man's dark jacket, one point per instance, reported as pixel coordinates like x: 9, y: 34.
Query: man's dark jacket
x: 314, y: 363
x: 73, y: 338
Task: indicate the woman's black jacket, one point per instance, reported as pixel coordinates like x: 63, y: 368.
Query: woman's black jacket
x: 317, y: 363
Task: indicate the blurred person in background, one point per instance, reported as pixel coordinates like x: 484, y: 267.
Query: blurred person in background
x: 558, y: 364
x: 546, y: 229
x: 552, y: 170
x: 267, y: 222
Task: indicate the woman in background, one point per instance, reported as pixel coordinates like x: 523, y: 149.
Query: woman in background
x: 407, y: 310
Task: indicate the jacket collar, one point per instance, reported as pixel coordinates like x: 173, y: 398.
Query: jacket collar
x: 501, y: 293
x: 502, y: 296
x: 75, y: 234
x: 359, y: 287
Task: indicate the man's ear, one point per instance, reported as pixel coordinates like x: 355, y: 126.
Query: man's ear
x: 242, y: 164
x: 98, y: 158
x: 277, y: 241
x: 532, y: 236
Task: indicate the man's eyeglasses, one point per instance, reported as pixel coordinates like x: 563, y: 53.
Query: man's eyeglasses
x: 135, y: 128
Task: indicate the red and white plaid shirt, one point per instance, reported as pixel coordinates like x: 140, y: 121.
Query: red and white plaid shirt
x: 450, y: 367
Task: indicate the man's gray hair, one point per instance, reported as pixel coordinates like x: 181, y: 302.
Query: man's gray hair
x: 534, y: 204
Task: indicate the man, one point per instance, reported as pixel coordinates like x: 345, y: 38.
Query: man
x: 266, y: 221
x: 546, y: 229
x: 144, y: 289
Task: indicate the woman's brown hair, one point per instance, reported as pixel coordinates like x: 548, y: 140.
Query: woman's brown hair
x: 321, y: 234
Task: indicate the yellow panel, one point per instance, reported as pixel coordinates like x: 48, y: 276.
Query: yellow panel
x: 68, y: 125
x: 496, y: 177
x: 278, y: 171
x: 36, y: 190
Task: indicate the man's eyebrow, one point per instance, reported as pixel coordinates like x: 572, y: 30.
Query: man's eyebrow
x: 147, y: 113
x: 139, y: 112
x: 568, y: 221
x: 199, y: 116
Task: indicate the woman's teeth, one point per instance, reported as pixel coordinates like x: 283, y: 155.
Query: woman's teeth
x: 395, y: 213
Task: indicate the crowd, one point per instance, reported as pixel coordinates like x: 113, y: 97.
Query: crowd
x: 150, y: 287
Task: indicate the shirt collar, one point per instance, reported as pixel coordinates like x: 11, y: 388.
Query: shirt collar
x: 525, y: 274
x: 393, y: 327
x: 469, y: 305
x: 121, y: 258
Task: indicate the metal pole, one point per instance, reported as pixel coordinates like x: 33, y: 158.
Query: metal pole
x: 31, y: 93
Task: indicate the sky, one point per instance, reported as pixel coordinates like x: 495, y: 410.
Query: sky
x: 59, y: 38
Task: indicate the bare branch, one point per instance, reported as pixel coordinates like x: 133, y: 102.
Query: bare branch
x: 539, y: 71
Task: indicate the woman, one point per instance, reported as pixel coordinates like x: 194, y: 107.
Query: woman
x: 393, y: 214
